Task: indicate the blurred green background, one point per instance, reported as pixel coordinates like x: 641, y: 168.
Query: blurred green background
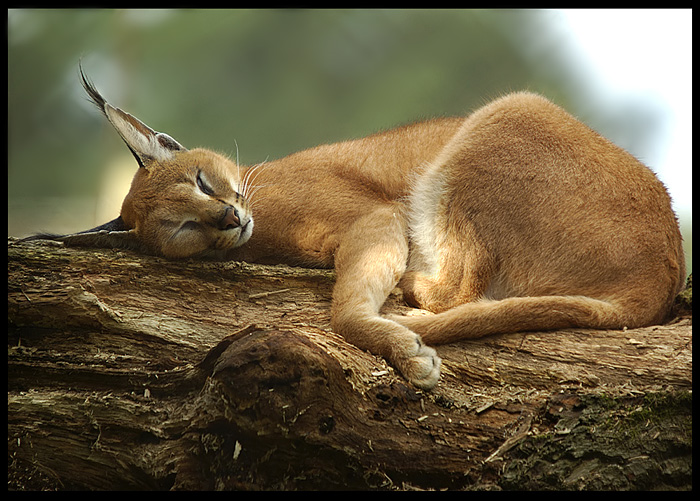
x: 265, y: 83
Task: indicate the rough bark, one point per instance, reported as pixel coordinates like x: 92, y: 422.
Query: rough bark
x: 135, y: 372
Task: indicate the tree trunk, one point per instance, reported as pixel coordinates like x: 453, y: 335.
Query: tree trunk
x: 135, y: 372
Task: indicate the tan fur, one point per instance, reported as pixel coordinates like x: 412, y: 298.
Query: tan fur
x: 518, y: 217
x: 172, y: 216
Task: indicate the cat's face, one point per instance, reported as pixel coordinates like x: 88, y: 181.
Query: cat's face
x: 182, y: 203
x: 188, y: 204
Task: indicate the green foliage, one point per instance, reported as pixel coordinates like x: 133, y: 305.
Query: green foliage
x: 263, y: 82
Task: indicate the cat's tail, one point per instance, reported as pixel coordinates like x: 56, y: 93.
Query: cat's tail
x: 517, y: 314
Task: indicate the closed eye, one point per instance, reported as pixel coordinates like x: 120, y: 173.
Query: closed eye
x: 203, y: 186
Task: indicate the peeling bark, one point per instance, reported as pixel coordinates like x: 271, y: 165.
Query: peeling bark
x: 135, y: 372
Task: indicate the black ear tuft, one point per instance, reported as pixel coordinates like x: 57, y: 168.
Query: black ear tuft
x: 89, y: 87
x: 113, y: 225
x: 111, y: 235
x: 145, y: 143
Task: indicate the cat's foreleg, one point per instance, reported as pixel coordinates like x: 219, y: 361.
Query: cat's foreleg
x: 370, y: 259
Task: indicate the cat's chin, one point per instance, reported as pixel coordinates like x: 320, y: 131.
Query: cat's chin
x: 246, y: 233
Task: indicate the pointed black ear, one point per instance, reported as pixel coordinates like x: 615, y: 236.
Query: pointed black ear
x: 111, y: 235
x: 145, y: 143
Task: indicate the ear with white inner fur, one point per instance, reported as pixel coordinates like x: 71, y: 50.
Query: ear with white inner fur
x: 145, y: 143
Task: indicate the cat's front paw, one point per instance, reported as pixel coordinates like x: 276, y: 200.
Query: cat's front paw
x: 423, y: 367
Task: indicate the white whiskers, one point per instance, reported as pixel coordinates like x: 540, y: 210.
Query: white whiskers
x: 246, y: 185
x: 248, y: 182
x: 238, y: 163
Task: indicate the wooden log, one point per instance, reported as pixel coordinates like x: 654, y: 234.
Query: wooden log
x: 135, y: 372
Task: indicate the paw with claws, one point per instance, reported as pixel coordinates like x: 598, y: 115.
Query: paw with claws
x: 422, y: 366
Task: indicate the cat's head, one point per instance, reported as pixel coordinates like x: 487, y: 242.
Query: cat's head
x: 181, y: 203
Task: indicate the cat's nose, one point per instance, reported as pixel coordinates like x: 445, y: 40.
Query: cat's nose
x: 230, y: 220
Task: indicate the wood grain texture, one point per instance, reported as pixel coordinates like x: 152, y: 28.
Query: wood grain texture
x: 130, y: 371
